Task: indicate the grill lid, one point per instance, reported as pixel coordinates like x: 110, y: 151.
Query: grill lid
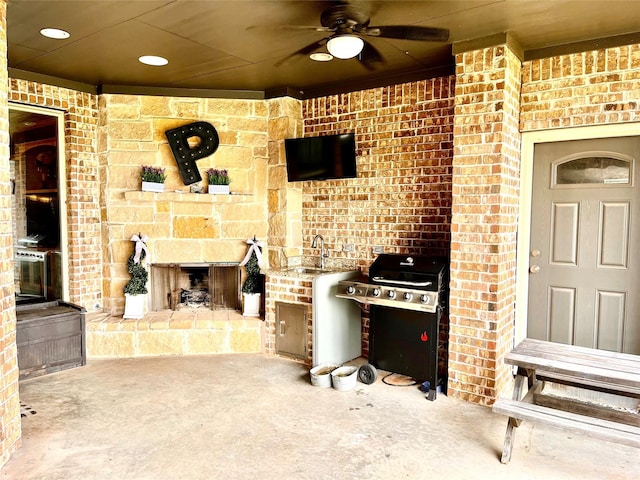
x: 411, y: 271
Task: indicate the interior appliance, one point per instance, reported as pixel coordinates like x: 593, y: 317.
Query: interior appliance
x: 321, y: 157
x: 407, y: 297
x: 32, y: 270
x: 38, y: 269
x: 348, y: 27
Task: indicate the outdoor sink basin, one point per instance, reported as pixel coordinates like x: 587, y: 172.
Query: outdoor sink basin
x: 310, y: 270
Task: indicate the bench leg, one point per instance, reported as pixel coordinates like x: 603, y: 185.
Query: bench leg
x: 509, y: 437
x: 512, y: 423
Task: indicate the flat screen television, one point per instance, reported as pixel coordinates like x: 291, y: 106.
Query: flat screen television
x: 321, y: 158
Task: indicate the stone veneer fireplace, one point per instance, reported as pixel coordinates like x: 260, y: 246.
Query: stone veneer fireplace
x: 214, y: 286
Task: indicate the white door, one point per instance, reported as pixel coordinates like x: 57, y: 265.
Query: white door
x: 583, y: 258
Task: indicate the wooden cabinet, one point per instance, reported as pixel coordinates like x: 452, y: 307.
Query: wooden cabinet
x: 291, y: 330
x: 50, y: 337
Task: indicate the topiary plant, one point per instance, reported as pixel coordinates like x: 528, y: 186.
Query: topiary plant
x: 137, y: 285
x: 251, y: 262
x: 253, y: 282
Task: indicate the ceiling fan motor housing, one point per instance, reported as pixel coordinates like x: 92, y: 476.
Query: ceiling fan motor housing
x: 341, y: 17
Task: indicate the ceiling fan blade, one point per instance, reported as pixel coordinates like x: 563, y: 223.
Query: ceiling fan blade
x: 308, y: 50
x: 308, y: 28
x: 370, y: 57
x: 406, y: 32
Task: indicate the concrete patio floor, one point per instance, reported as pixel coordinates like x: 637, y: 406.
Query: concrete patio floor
x: 252, y: 416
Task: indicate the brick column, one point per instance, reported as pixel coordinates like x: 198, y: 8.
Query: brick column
x: 486, y: 166
x: 9, y: 400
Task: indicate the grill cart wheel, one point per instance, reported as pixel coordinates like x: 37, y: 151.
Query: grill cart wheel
x: 367, y: 374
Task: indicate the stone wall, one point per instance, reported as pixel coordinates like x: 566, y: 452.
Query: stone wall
x: 285, y: 199
x: 181, y: 226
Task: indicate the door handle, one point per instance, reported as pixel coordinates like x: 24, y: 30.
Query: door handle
x: 282, y: 327
x: 534, y: 268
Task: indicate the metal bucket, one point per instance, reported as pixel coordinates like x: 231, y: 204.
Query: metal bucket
x: 344, y: 378
x: 321, y: 375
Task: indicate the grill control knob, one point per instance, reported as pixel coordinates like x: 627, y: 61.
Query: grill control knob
x: 407, y: 296
x: 425, y: 298
x: 351, y: 289
x: 391, y: 294
x: 376, y: 292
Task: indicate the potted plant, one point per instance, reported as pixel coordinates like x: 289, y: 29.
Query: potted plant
x: 218, y: 180
x: 252, y: 286
x: 136, y: 288
x: 152, y: 179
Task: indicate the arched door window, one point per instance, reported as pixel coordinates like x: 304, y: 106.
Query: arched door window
x: 595, y: 168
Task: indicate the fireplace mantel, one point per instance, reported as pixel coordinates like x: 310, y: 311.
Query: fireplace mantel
x: 187, y: 197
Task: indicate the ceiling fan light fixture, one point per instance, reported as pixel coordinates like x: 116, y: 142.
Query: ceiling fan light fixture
x: 345, y: 46
x: 321, y: 57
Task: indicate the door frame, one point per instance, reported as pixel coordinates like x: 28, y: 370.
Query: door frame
x: 62, y: 185
x: 529, y: 140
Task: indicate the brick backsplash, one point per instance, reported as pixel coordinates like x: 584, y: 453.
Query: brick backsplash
x: 401, y: 198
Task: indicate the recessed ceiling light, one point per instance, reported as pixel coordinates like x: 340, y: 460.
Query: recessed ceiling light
x: 55, y: 33
x: 321, y: 57
x: 153, y: 60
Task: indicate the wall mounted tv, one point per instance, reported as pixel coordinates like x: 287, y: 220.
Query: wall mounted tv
x: 321, y: 158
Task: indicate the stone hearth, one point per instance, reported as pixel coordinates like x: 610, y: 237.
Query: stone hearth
x: 186, y: 332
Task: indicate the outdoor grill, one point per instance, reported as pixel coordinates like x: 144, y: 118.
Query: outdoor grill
x: 407, y: 297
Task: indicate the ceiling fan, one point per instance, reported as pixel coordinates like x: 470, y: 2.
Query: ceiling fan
x: 348, y: 25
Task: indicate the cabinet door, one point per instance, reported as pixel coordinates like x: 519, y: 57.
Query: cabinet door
x: 291, y: 330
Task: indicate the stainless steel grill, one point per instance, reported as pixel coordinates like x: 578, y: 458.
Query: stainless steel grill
x: 407, y: 296
x: 400, y: 281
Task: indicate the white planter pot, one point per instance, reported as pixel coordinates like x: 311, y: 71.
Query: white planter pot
x: 219, y: 189
x: 251, y: 305
x: 152, y: 187
x: 134, y: 306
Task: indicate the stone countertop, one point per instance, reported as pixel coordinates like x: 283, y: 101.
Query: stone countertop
x: 305, y: 272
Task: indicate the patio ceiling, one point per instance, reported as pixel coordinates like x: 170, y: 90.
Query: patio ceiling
x: 235, y: 47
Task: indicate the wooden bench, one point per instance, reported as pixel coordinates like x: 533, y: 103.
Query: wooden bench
x: 538, y: 362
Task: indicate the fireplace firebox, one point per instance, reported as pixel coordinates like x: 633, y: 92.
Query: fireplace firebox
x: 214, y: 286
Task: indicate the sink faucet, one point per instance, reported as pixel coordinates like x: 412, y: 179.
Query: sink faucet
x: 323, y: 254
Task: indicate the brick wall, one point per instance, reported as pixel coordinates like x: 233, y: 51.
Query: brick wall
x: 484, y: 221
x: 291, y: 291
x: 9, y: 400
x: 588, y: 88
x: 401, y: 198
x: 83, y: 182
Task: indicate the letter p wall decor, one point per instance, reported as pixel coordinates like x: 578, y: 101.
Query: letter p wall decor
x: 185, y: 155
